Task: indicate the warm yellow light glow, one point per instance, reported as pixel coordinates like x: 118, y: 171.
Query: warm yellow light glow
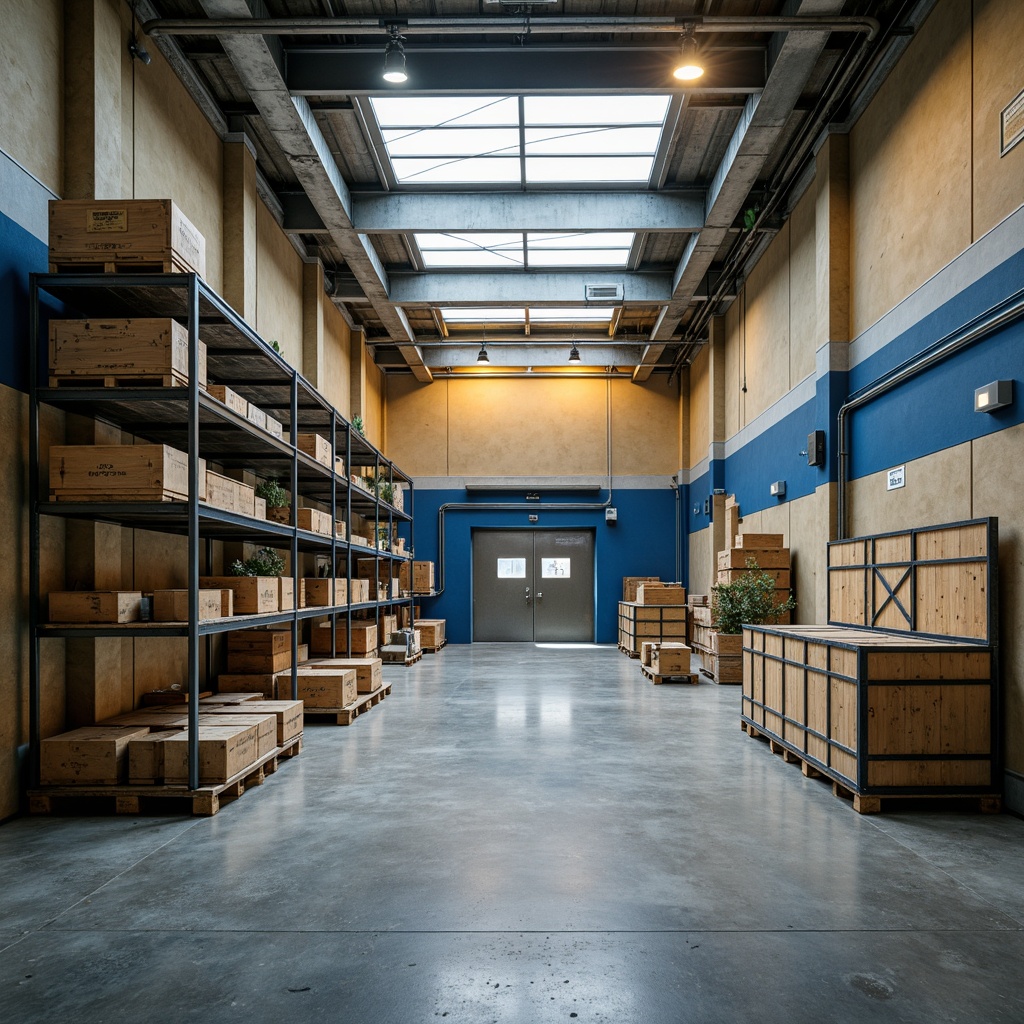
x: 689, y: 68
x: 688, y: 72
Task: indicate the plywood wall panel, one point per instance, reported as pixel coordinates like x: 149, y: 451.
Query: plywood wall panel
x: 645, y: 428
x: 802, y: 289
x: 32, y: 84
x: 998, y: 78
x: 278, y: 288
x: 337, y: 382
x: 417, y: 426
x: 699, y: 407
x: 910, y: 169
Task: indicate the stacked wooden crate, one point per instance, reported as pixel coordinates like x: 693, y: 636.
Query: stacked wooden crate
x: 658, y: 613
x: 257, y: 659
x: 898, y: 695
x: 770, y: 554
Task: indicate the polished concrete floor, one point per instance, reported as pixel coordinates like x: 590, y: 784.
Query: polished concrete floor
x: 520, y: 834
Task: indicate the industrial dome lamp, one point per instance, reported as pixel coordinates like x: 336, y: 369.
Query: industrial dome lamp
x: 394, y: 57
x: 689, y: 67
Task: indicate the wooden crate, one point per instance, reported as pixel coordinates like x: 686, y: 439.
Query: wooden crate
x: 325, y: 686
x: 147, y: 351
x: 638, y: 623
x: 315, y: 446
x: 146, y: 757
x: 126, y: 232
x: 224, y: 751
x: 766, y: 558
x: 230, y: 495
x: 373, y: 568
x: 431, y: 633
x: 660, y: 593
x: 172, y: 605
x: 630, y: 583
x: 95, y: 755
x: 912, y: 709
x: 95, y: 606
x: 369, y: 671
x: 759, y: 540
x: 313, y: 520
x: 781, y: 576
x: 287, y: 715
x: 256, y: 416
x: 732, y: 519
x: 121, y: 473
x: 264, y: 683
x: 670, y: 659
x: 420, y: 573
x: 325, y: 592
x: 234, y: 401
x: 723, y: 656
x: 275, y: 427
x: 252, y: 595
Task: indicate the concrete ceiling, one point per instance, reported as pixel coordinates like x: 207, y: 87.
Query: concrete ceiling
x: 296, y: 77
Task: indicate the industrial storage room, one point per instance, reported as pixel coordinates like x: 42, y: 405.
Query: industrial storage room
x: 515, y: 511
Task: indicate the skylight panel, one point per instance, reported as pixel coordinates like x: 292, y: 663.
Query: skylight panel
x: 468, y: 240
x: 441, y: 170
x: 483, y: 315
x: 471, y: 258
x: 569, y: 314
x: 579, y: 239
x: 590, y: 169
x: 579, y: 257
x: 591, y: 140
x: 588, y: 110
x: 431, y: 111
x: 403, y: 142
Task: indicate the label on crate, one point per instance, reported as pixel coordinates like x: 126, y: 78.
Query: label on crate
x: 106, y: 220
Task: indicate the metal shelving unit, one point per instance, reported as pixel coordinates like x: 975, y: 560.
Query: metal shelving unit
x: 191, y: 420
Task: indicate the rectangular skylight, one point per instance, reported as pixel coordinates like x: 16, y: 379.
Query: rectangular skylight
x: 460, y: 140
x: 568, y: 314
x: 481, y: 249
x: 483, y: 315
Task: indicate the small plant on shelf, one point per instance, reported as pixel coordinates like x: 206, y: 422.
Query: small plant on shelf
x: 357, y: 423
x: 265, y: 562
x: 751, y: 599
x: 384, y: 488
x: 273, y: 494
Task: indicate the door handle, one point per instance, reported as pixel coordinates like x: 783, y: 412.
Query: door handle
x: 539, y: 595
x: 527, y: 595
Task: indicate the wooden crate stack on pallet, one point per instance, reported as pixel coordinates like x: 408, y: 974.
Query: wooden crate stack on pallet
x: 658, y: 612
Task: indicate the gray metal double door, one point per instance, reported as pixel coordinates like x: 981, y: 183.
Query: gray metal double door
x: 533, y: 585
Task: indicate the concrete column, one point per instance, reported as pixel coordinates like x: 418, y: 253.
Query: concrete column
x: 94, y: 49
x: 716, y: 432
x: 313, y: 299
x: 240, y: 199
x: 832, y: 265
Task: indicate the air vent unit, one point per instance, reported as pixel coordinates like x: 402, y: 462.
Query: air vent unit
x: 602, y: 292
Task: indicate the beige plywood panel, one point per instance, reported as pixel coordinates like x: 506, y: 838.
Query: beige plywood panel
x: 417, y: 426
x: 373, y: 403
x: 645, y: 428
x: 938, y: 490
x: 767, y: 328
x: 177, y: 155
x: 998, y: 78
x: 31, y: 54
x: 998, y: 476
x: 527, y: 428
x: 732, y: 389
x: 337, y: 383
x: 811, y: 526
x: 803, y: 289
x: 278, y: 288
x: 910, y: 168
x: 699, y: 407
x: 702, y: 562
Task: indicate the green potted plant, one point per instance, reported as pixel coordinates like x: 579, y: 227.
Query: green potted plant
x: 751, y: 598
x: 357, y: 423
x: 265, y: 562
x: 279, y: 506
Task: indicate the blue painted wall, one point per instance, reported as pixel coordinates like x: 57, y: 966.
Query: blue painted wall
x: 639, y: 544
x: 21, y: 253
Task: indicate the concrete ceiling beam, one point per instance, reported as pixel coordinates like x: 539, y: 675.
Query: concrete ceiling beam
x: 523, y: 288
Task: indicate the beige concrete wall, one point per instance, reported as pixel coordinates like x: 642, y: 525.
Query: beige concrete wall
x: 278, y: 288
x: 373, y: 405
x: 552, y: 427
x: 698, y: 406
x: 910, y: 168
x: 702, y: 556
x: 802, y: 289
x: 337, y: 382
x: 998, y: 78
x: 32, y: 87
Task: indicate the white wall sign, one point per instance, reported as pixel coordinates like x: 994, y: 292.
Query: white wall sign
x: 897, y: 478
x: 511, y: 568
x: 1011, y: 124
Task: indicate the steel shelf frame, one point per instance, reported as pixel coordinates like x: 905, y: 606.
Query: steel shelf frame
x: 193, y: 421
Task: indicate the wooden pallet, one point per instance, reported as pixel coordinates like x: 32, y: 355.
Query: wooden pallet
x: 864, y: 803
x: 629, y: 654
x: 119, y: 381
x: 128, y: 799
x: 433, y: 650
x: 407, y: 661
x: 691, y: 677
x: 347, y: 715
x: 120, y: 266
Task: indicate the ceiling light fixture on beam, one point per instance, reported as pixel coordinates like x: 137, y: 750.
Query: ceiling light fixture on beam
x: 394, y: 57
x: 689, y: 68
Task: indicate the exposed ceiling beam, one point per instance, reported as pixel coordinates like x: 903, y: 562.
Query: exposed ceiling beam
x: 498, y: 71
x: 545, y: 354
x: 763, y: 120
x: 523, y: 288
x: 529, y: 211
x: 258, y: 63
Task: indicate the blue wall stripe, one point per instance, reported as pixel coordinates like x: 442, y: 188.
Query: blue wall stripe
x: 639, y: 544
x: 21, y: 253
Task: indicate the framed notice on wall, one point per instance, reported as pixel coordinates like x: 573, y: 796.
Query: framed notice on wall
x: 1011, y: 124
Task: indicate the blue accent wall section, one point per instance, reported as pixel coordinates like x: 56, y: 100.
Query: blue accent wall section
x: 21, y: 253
x: 639, y: 544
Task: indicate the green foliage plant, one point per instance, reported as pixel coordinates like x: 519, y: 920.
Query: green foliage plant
x: 749, y: 599
x: 273, y: 493
x: 357, y: 423
x: 266, y: 562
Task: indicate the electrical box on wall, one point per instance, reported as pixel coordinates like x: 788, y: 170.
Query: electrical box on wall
x: 816, y: 448
x: 611, y: 515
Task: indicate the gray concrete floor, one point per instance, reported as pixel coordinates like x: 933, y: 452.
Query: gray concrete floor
x: 519, y: 834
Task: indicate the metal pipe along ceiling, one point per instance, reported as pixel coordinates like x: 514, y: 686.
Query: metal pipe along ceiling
x: 475, y: 26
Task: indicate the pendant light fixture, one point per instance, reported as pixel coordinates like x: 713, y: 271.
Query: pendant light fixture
x: 394, y: 57
x: 574, y: 353
x: 689, y: 67
x: 482, y: 356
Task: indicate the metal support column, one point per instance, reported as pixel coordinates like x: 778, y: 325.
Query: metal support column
x: 193, y: 531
